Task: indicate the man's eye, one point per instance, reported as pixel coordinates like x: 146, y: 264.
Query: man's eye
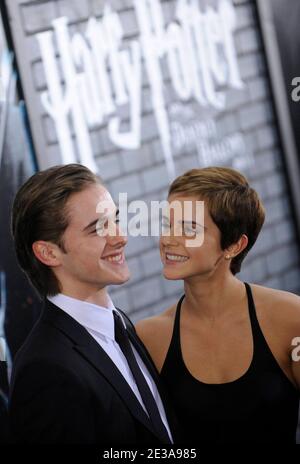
x: 98, y: 231
x: 99, y: 227
x: 102, y: 226
x: 94, y: 231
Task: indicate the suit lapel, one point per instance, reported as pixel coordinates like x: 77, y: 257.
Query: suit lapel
x: 93, y: 353
x: 96, y: 356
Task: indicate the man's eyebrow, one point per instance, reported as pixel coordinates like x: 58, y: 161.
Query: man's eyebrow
x: 94, y: 222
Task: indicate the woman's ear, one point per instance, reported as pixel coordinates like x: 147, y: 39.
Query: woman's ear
x: 236, y: 248
x: 46, y: 252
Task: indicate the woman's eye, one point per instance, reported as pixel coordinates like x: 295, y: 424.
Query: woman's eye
x: 189, y: 231
x: 165, y: 225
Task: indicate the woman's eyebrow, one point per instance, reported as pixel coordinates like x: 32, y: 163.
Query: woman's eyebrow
x: 194, y: 223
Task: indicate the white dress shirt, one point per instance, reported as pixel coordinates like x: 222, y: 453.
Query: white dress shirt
x: 99, y: 322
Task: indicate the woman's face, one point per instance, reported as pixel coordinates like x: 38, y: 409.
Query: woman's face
x: 179, y: 258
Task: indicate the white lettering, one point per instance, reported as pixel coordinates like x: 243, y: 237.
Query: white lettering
x: 100, y: 74
x: 296, y: 351
x: 296, y: 90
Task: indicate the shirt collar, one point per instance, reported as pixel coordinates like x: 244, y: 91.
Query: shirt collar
x: 93, y: 317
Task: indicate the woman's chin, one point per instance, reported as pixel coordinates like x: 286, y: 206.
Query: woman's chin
x: 171, y: 275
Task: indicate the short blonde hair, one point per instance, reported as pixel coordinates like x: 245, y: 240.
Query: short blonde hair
x: 234, y: 206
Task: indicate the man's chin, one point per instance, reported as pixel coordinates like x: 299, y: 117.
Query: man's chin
x: 121, y: 279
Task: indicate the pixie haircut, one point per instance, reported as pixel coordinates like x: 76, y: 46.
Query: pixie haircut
x: 234, y: 206
x: 40, y: 213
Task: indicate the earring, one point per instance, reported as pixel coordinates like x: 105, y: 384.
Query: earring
x: 227, y: 257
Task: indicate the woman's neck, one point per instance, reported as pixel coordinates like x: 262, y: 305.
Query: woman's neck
x: 213, y: 298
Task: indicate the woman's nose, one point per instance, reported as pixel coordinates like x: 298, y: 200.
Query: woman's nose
x: 169, y: 238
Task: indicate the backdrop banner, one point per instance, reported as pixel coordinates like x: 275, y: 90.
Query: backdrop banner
x: 18, y: 310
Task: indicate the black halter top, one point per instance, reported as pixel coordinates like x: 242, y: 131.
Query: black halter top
x: 259, y: 407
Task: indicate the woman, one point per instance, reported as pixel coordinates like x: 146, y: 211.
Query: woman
x: 225, y: 349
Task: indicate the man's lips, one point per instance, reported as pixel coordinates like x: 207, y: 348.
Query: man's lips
x: 115, y: 258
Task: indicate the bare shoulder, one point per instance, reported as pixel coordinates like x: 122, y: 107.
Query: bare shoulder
x: 156, y: 333
x: 279, y: 312
x: 282, y: 306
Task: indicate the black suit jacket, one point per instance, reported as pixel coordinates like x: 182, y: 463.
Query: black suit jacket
x: 3, y: 420
x: 66, y: 389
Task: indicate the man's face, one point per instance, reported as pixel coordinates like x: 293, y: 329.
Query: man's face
x: 92, y: 260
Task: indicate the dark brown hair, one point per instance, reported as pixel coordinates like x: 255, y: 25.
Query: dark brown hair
x: 234, y: 206
x: 39, y: 213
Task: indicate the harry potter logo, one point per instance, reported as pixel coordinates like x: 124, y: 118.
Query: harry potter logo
x: 101, y: 74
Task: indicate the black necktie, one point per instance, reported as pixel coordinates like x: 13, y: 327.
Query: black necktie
x: 122, y: 339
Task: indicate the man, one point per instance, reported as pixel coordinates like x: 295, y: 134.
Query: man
x: 81, y: 376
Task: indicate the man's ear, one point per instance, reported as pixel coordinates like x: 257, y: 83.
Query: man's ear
x: 46, y: 252
x: 236, y: 248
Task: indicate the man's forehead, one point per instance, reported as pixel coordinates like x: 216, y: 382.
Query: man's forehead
x: 105, y: 204
x: 104, y: 195
x: 87, y: 201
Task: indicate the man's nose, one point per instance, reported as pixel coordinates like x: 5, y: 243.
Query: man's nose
x: 117, y: 236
